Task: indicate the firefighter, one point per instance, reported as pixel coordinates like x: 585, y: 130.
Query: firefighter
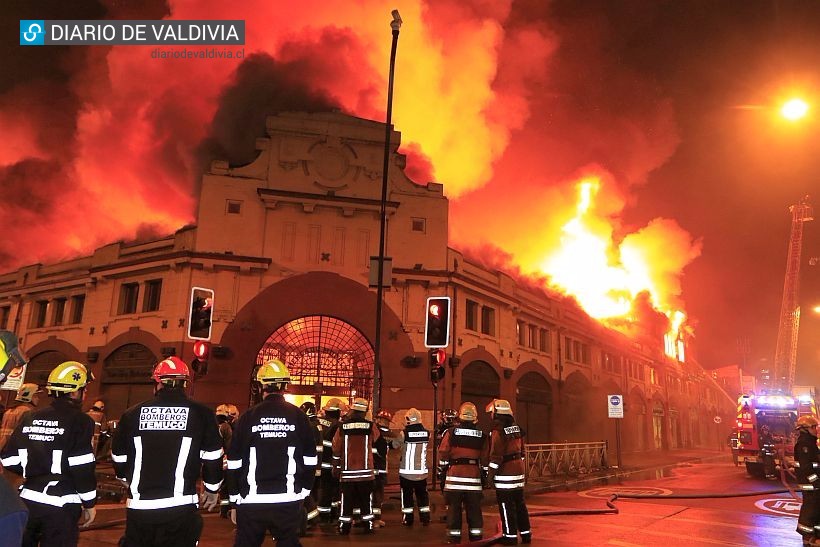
x: 807, y: 464
x: 311, y: 508
x: 11, y: 356
x: 463, y: 457
x: 160, y: 448
x: 51, y: 447
x: 329, y: 484
x: 353, y: 464
x: 506, y: 473
x: 271, y: 463
x: 28, y: 397
x: 97, y: 413
x: 226, y: 415
x: 413, y: 469
x: 380, y: 449
x: 766, y: 442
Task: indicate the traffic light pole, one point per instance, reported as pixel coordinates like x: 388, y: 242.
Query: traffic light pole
x: 435, y: 431
x: 395, y: 24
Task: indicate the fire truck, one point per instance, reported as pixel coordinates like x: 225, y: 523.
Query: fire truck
x: 779, y: 413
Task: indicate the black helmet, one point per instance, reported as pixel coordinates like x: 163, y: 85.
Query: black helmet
x: 309, y: 409
x: 448, y: 415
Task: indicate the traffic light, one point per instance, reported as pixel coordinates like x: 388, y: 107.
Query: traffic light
x: 199, y: 364
x: 437, y: 325
x: 199, y: 320
x: 437, y: 358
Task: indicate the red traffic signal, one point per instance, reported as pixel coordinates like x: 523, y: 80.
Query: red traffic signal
x: 437, y: 322
x: 201, y: 349
x: 437, y: 359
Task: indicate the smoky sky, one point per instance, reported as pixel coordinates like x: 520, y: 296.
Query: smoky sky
x: 671, y: 99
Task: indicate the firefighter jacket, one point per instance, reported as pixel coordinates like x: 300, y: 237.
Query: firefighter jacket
x: 507, y: 454
x: 11, y: 418
x: 319, y: 442
x: 273, y: 454
x: 463, y: 453
x: 415, y: 440
x: 328, y: 427
x: 806, y: 461
x: 353, y: 449
x: 160, y: 447
x: 380, y: 448
x: 51, y: 448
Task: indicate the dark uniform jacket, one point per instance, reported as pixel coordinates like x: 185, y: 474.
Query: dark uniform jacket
x: 160, y: 448
x: 507, y: 454
x: 463, y: 452
x: 806, y: 461
x: 380, y: 448
x: 51, y: 448
x: 353, y: 449
x: 273, y: 454
x: 328, y: 427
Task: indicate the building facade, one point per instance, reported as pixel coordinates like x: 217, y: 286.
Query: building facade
x: 286, y: 244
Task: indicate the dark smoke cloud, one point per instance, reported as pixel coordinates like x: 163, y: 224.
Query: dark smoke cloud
x: 261, y: 86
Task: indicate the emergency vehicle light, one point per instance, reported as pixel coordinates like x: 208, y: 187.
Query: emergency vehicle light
x: 775, y: 401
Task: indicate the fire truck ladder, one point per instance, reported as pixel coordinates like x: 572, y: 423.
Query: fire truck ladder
x: 785, y: 356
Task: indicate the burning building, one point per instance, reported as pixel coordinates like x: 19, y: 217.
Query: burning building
x: 285, y: 241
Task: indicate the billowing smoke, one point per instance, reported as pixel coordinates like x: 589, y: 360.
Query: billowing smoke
x: 507, y: 104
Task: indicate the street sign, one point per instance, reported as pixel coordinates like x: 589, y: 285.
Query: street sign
x: 615, y: 406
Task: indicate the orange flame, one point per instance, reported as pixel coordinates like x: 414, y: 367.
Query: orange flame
x: 606, y: 277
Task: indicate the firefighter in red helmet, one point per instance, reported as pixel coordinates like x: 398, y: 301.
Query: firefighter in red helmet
x: 161, y: 448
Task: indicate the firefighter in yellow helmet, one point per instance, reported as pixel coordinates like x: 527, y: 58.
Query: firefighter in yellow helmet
x: 353, y: 464
x: 413, y: 468
x: 463, y: 456
x: 806, y: 455
x: 329, y: 494
x: 271, y: 463
x: 507, y: 473
x: 58, y: 461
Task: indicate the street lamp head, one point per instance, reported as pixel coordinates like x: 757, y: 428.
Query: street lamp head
x: 395, y: 24
x: 794, y: 109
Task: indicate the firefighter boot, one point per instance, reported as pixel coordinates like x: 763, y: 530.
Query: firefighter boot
x: 526, y: 537
x: 407, y: 519
x: 344, y: 529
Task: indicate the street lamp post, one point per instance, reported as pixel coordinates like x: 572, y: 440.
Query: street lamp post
x: 395, y: 25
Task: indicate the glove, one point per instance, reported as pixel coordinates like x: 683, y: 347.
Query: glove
x: 489, y: 480
x: 232, y: 514
x: 89, y: 514
x: 209, y: 501
x: 484, y: 476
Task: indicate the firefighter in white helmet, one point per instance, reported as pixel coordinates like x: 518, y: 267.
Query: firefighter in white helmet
x: 413, y: 469
x: 507, y: 473
x: 271, y: 463
x: 161, y: 448
x: 807, y: 456
x: 463, y: 456
x: 58, y: 462
x: 353, y: 464
x: 329, y: 494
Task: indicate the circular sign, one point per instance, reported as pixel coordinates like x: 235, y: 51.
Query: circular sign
x: 614, y: 400
x: 780, y: 506
x: 624, y: 491
x: 718, y: 419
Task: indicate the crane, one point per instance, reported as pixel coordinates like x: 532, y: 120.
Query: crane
x: 785, y: 355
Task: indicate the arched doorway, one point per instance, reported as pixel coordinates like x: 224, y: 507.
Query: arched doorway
x: 41, y: 365
x: 578, y: 423
x: 126, y: 378
x: 533, y: 407
x: 326, y: 357
x: 635, y: 422
x: 480, y: 384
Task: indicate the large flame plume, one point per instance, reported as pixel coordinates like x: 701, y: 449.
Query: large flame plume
x: 103, y: 143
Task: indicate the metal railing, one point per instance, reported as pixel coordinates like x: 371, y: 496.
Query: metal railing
x: 564, y: 459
